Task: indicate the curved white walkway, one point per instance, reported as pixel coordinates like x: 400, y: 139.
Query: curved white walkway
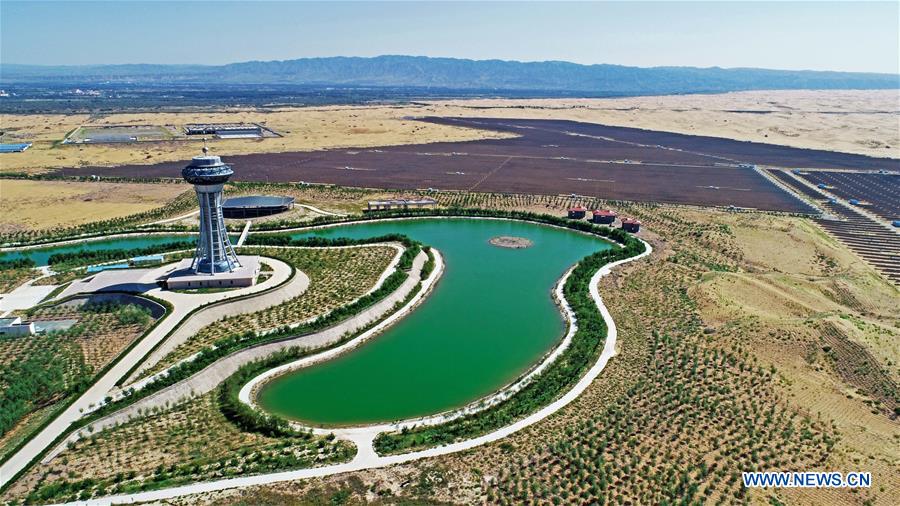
x: 183, y: 305
x: 366, y: 458
x: 294, y: 287
x: 210, y: 377
x: 320, y: 211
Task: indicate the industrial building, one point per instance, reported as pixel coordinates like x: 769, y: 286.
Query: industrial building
x: 604, y: 216
x: 577, y: 212
x: 386, y: 205
x: 254, y: 206
x: 227, y: 130
x: 631, y: 225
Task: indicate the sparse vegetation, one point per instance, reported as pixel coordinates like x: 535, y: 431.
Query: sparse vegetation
x: 181, y: 204
x: 43, y: 370
x: 171, y: 446
x: 337, y: 276
x: 15, y: 272
x: 717, y: 416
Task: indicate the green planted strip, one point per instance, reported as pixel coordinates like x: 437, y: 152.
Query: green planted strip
x: 87, y: 256
x: 562, y: 374
x: 249, y: 419
x: 237, y: 342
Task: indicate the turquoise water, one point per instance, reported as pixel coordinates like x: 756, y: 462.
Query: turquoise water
x: 42, y: 255
x: 490, y: 318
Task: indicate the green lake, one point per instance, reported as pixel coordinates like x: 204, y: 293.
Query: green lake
x: 489, y: 319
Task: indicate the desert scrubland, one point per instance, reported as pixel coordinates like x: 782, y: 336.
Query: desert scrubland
x: 861, y: 122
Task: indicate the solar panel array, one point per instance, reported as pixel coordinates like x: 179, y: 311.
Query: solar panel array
x: 875, y: 243
x: 881, y: 192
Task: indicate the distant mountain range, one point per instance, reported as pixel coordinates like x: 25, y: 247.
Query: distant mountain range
x: 452, y: 73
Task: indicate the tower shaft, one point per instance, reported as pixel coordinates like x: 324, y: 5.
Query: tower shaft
x: 214, y: 251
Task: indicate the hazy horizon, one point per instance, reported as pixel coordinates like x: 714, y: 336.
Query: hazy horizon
x: 826, y: 36
x: 427, y: 56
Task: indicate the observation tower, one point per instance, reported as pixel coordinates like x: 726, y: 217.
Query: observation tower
x: 214, y: 252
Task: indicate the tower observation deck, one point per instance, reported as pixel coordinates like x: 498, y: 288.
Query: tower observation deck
x: 214, y: 252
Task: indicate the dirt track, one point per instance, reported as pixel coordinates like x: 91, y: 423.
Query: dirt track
x: 549, y: 157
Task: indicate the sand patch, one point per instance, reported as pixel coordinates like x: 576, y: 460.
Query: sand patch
x: 27, y: 204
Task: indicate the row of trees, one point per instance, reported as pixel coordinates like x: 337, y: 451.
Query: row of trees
x: 557, y: 378
x: 236, y: 342
x: 89, y: 256
x: 247, y: 418
x: 17, y: 263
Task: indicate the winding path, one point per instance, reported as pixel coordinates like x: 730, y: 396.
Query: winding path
x: 183, y: 306
x: 210, y: 377
x: 296, y: 288
x: 366, y: 458
x: 319, y: 211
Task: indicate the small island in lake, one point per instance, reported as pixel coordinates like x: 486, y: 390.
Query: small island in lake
x: 505, y: 241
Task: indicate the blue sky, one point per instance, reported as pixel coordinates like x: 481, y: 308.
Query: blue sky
x: 852, y: 36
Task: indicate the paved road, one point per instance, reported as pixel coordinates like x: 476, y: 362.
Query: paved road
x: 320, y: 211
x: 293, y: 288
x: 366, y: 458
x: 170, y: 220
x: 183, y: 304
x: 210, y: 377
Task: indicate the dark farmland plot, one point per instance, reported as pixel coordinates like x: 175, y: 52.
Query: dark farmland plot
x: 711, y: 148
x: 548, y: 157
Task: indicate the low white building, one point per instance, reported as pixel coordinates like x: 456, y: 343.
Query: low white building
x: 184, y: 277
x: 13, y: 327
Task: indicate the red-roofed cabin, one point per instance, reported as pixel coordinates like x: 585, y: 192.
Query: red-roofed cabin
x: 631, y: 225
x: 577, y: 213
x: 604, y: 216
